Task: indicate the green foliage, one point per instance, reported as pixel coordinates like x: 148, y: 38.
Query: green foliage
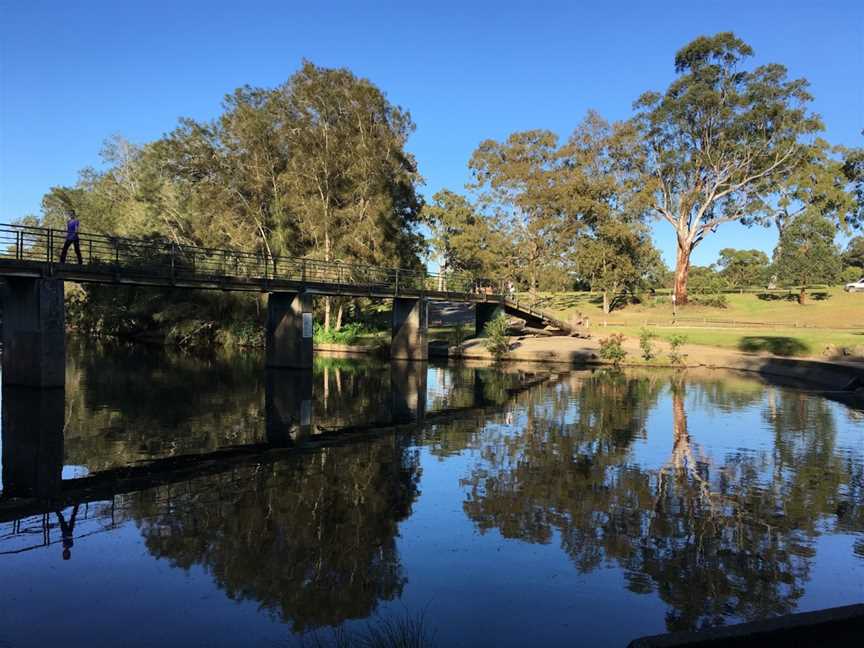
x: 676, y: 357
x: 743, y: 268
x: 347, y: 334
x: 854, y: 253
x: 851, y: 274
x: 646, y: 343
x: 496, y: 339
x: 611, y: 349
x: 458, y: 334
x: 807, y: 254
x: 711, y: 301
x: 467, y: 241
x: 315, y: 167
x: 705, y: 280
x: 719, y: 140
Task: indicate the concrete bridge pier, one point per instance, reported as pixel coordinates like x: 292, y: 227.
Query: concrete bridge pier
x: 34, y: 333
x: 288, y: 405
x: 32, y: 441
x: 484, y: 313
x: 408, y: 390
x: 410, y: 332
x: 288, y: 338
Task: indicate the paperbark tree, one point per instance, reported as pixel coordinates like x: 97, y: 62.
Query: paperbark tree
x: 719, y: 140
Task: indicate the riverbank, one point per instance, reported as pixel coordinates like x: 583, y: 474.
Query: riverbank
x: 827, y: 374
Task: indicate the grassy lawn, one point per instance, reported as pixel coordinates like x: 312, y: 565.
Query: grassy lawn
x: 779, y: 341
x: 751, y: 322
x: 827, y: 308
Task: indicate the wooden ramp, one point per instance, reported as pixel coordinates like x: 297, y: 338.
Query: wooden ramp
x: 533, y: 317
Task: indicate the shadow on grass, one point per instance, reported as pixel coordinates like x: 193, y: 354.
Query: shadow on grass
x: 778, y: 345
x: 766, y: 296
x: 820, y: 296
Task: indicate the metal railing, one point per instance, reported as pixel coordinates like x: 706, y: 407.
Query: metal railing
x: 171, y: 261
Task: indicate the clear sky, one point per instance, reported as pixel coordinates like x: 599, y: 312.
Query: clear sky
x: 73, y: 73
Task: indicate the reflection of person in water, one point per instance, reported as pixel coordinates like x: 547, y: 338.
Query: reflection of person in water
x: 67, y: 530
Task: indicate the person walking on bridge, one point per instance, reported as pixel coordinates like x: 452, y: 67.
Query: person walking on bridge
x: 72, y: 225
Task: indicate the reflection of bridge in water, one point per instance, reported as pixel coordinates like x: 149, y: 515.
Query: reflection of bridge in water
x: 34, y: 311
x: 34, y: 420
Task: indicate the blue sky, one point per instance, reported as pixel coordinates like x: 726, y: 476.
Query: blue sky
x: 73, y: 73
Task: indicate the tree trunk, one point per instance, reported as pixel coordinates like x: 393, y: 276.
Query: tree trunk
x: 682, y: 273
x: 326, y: 313
x: 606, y: 302
x: 802, y: 296
x: 339, y: 316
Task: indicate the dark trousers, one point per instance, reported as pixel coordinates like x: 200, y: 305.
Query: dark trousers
x: 66, y: 245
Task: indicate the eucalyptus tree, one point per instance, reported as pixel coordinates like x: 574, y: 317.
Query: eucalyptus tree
x: 520, y: 184
x: 465, y: 239
x: 719, y: 140
x: 807, y: 254
x: 743, y: 268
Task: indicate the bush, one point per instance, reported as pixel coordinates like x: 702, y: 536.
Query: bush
x: 712, y: 301
x: 851, y: 274
x: 611, y: 349
x: 675, y: 356
x: 348, y: 334
x: 497, y: 342
x: 645, y: 343
x: 458, y: 334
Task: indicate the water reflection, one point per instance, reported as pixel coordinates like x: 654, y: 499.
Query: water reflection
x: 292, y: 490
x: 715, y: 536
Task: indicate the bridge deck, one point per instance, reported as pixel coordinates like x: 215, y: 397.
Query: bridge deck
x: 36, y: 252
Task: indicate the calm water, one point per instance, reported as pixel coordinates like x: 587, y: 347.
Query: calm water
x: 210, y: 503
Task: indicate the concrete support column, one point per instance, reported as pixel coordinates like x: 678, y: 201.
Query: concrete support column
x: 32, y: 441
x: 288, y: 338
x: 410, y: 333
x: 408, y: 390
x: 484, y: 313
x: 34, y: 333
x: 288, y: 405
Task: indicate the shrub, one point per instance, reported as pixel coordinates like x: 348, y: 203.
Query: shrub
x: 348, y: 334
x: 611, y: 349
x: 712, y: 301
x: 497, y: 342
x: 645, y: 343
x: 675, y: 355
x: 458, y: 334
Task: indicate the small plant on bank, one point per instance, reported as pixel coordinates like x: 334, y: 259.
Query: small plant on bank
x: 497, y: 342
x: 348, y: 334
x: 646, y: 343
x: 458, y: 334
x: 611, y: 349
x: 675, y: 356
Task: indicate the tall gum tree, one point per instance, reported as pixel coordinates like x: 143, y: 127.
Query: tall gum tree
x: 720, y: 140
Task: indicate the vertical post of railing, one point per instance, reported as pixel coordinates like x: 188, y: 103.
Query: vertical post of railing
x: 90, y: 251
x: 396, y: 290
x: 49, y: 247
x: 116, y: 252
x: 303, y: 271
x: 173, y: 253
x: 19, y: 246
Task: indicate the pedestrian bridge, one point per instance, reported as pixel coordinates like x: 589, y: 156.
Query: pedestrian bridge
x: 34, y: 315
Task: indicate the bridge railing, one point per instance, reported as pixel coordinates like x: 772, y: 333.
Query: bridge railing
x: 160, y: 258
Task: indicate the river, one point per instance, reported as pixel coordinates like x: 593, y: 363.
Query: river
x: 165, y: 499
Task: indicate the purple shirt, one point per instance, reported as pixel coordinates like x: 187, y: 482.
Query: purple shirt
x: 72, y: 229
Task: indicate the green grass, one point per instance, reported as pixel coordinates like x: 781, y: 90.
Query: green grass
x: 827, y: 305
x: 773, y: 322
x: 779, y: 341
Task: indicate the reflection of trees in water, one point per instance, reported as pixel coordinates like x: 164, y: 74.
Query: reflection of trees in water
x: 714, y: 537
x: 312, y: 538
x: 129, y: 405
